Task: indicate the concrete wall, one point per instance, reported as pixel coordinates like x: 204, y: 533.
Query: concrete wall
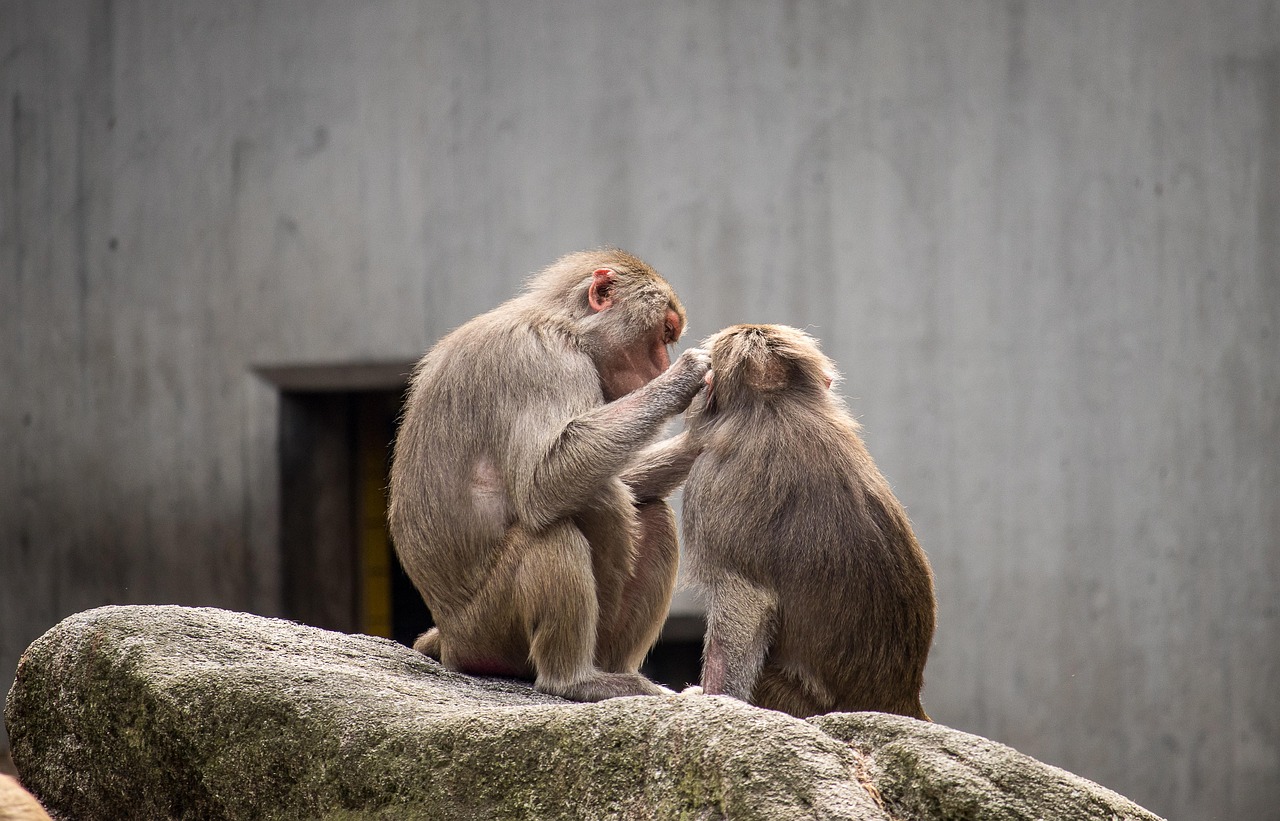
x: 1041, y: 239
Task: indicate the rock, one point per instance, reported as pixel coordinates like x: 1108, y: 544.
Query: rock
x: 173, y: 712
x: 927, y: 771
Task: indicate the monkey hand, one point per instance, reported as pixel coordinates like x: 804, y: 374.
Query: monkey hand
x: 685, y: 376
x: 692, y: 690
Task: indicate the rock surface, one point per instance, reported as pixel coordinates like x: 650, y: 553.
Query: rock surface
x: 173, y: 712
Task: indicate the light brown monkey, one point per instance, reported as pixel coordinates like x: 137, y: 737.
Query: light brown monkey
x: 524, y: 504
x: 818, y: 596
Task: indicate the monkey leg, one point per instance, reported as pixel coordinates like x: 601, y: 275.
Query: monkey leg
x: 486, y: 636
x: 787, y: 691
x: 555, y: 591
x: 626, y: 639
x: 802, y: 692
x: 741, y: 621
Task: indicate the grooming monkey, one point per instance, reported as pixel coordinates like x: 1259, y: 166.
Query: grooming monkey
x: 525, y: 504
x: 818, y: 596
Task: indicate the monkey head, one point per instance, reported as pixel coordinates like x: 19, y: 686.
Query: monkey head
x: 624, y: 313
x: 752, y: 363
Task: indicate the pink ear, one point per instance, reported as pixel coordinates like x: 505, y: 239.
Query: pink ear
x: 828, y: 378
x: 600, y: 294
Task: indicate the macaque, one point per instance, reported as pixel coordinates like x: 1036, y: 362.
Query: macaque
x: 818, y: 596
x: 527, y: 495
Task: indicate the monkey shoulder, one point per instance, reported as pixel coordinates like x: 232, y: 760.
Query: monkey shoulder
x: 542, y: 347
x: 495, y: 359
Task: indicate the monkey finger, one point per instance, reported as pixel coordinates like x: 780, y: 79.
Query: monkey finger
x: 695, y: 360
x: 700, y: 355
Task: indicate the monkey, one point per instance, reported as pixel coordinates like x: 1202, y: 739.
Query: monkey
x: 16, y: 804
x: 819, y: 597
x: 527, y: 493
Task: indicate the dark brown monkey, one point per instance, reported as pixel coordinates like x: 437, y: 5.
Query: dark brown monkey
x: 524, y: 504
x: 818, y: 596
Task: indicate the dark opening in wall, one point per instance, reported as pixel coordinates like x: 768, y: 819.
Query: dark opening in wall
x: 340, y: 569
x: 676, y: 660
x: 337, y: 424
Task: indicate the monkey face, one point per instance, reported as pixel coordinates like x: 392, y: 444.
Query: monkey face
x: 753, y: 362
x: 629, y: 361
x: 634, y: 318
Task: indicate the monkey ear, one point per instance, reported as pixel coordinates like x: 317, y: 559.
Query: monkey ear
x: 828, y: 377
x: 600, y: 294
x: 709, y: 403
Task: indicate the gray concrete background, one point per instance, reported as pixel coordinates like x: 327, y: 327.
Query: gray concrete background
x: 1041, y: 239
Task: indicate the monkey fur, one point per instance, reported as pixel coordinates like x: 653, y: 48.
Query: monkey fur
x: 16, y: 804
x: 527, y: 496
x: 819, y: 597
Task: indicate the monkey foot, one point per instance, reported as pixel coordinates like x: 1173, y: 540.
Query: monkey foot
x: 601, y: 686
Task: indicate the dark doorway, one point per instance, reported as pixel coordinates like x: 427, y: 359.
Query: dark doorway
x: 676, y: 660
x: 339, y: 567
x: 340, y: 572
x: 337, y: 423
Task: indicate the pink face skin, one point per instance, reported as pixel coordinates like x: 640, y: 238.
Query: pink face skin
x: 638, y: 363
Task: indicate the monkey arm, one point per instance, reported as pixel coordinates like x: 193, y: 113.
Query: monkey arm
x: 741, y: 622
x: 660, y: 468
x: 557, y: 475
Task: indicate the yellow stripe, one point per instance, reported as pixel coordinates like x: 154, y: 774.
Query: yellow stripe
x: 375, y: 544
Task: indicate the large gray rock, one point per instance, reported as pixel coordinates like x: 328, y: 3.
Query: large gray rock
x: 172, y: 712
